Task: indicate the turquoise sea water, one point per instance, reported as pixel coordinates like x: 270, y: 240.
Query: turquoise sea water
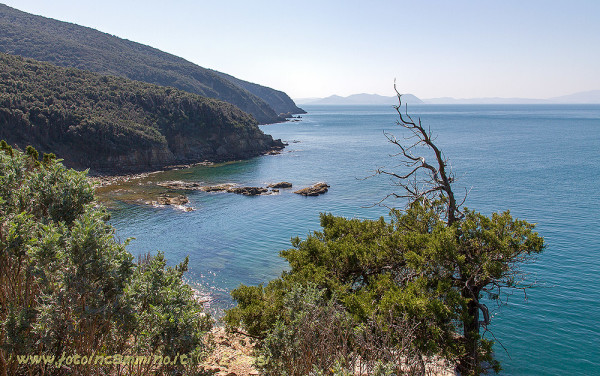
x: 542, y: 162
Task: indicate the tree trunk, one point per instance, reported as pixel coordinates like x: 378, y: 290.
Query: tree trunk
x: 469, y: 363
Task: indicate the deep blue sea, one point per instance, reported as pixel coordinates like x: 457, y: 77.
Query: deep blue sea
x: 540, y: 161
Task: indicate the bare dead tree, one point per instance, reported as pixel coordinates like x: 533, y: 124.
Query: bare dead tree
x: 425, y: 180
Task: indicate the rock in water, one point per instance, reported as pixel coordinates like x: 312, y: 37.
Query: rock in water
x: 248, y: 191
x: 314, y: 190
x: 178, y: 200
x: 228, y: 187
x: 218, y: 188
x: 283, y: 184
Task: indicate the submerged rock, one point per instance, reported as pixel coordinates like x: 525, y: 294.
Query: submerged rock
x: 180, y: 185
x: 178, y: 200
x: 314, y: 190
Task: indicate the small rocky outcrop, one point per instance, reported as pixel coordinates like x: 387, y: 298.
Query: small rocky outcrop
x: 248, y: 191
x: 231, y: 188
x: 217, y: 188
x: 176, y: 201
x: 283, y: 184
x: 228, y: 187
x: 314, y: 190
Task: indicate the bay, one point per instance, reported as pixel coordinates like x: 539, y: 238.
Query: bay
x: 540, y: 161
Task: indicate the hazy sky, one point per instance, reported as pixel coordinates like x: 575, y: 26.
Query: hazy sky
x: 463, y: 49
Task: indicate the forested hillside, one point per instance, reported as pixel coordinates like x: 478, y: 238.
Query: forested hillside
x: 71, y: 45
x: 114, y: 125
x: 280, y: 101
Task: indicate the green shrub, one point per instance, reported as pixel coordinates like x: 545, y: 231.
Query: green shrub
x: 316, y: 335
x: 402, y: 276
x: 68, y: 287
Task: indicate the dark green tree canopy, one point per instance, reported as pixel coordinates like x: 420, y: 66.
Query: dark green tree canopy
x: 112, y: 124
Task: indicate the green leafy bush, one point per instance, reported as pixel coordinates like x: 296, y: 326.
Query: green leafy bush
x: 68, y: 287
x: 316, y: 335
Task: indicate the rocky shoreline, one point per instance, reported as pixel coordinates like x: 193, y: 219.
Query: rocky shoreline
x: 228, y: 187
x: 122, y: 187
x: 107, y: 177
x: 172, y: 193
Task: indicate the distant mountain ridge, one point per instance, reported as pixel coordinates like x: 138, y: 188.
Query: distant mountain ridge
x: 584, y: 97
x: 71, y: 45
x: 363, y: 99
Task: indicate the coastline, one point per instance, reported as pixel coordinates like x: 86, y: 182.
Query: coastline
x: 109, y: 179
x: 100, y: 179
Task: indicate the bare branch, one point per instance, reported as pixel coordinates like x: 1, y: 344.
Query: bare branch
x: 438, y: 178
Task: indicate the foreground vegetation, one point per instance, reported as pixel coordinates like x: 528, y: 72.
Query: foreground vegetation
x: 117, y: 125
x: 392, y: 297
x: 67, y: 287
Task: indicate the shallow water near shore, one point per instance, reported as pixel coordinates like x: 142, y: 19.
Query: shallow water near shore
x: 540, y: 161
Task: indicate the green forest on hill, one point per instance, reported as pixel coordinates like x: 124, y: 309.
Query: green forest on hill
x: 67, y: 44
x: 112, y: 123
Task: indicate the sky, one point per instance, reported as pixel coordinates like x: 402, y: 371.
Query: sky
x: 431, y: 48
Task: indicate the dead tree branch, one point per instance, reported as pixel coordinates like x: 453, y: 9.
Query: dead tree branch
x: 438, y: 176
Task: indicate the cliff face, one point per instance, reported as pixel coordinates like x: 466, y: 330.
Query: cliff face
x: 180, y: 150
x: 71, y: 45
x: 114, y: 125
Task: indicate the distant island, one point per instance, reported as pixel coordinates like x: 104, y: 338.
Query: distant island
x: 360, y: 99
x: 584, y: 97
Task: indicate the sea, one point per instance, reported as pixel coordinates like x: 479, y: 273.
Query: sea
x: 541, y: 162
